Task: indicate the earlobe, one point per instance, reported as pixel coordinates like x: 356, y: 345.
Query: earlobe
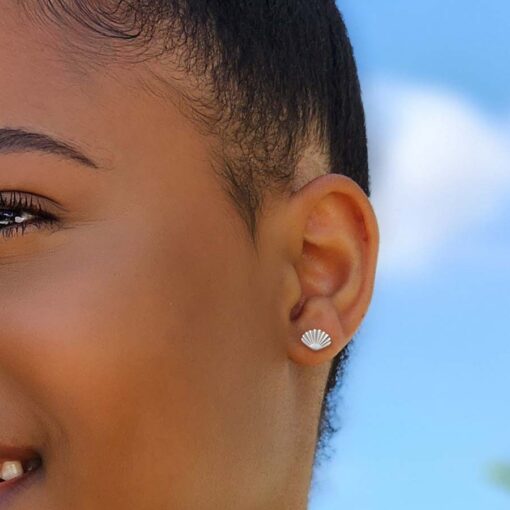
x: 338, y: 240
x: 318, y: 313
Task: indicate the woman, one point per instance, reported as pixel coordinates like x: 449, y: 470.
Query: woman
x: 184, y: 200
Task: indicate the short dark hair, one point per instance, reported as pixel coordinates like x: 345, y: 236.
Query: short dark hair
x: 280, y: 76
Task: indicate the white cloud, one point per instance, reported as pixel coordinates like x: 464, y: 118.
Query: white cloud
x: 440, y: 172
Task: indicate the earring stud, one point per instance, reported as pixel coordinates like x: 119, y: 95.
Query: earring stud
x: 316, y: 339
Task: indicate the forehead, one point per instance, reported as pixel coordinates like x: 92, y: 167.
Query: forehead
x: 47, y: 61
x: 48, y: 83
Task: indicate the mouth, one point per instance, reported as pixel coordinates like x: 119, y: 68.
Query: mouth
x: 18, y: 465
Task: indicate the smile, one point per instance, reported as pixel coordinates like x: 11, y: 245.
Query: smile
x: 17, y: 468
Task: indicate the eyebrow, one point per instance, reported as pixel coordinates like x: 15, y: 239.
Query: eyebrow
x: 20, y: 140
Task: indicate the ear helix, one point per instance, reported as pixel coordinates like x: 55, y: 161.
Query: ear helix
x: 316, y: 339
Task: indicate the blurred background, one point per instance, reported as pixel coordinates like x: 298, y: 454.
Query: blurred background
x: 425, y: 410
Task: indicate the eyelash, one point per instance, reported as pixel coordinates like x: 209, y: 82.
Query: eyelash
x: 19, y: 203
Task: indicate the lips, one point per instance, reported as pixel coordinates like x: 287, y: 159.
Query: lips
x: 23, y: 454
x: 12, y: 458
x: 30, y: 461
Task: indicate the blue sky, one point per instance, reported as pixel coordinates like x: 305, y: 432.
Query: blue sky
x: 424, y: 408
x: 461, y: 45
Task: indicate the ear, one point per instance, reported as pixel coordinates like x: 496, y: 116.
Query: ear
x: 333, y: 243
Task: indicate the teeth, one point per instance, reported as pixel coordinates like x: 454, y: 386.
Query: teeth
x: 11, y: 469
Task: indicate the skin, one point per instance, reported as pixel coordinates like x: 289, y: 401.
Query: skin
x: 147, y: 351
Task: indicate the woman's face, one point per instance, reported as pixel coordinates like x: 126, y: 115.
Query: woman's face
x: 131, y: 342
x: 137, y: 347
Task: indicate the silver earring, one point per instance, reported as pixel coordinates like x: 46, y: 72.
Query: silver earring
x: 316, y: 339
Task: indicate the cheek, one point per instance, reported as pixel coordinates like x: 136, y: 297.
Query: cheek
x: 91, y: 332
x: 140, y: 340
x: 134, y: 343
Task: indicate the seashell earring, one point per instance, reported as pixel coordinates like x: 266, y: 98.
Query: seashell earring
x: 316, y: 339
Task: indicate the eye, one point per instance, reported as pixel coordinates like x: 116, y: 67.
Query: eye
x: 19, y: 211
